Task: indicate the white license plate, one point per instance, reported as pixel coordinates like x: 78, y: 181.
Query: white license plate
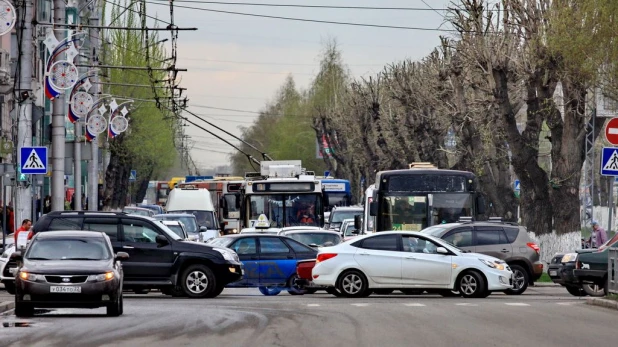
x: 553, y: 273
x: 13, y: 270
x: 65, y: 289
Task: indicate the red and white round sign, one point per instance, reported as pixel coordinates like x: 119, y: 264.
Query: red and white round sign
x: 611, y: 131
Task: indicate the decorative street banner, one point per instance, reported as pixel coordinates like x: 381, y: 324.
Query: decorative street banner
x: 323, y: 149
x: 60, y: 75
x: 7, y: 17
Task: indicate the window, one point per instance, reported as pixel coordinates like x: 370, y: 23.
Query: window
x: 90, y: 248
x: 65, y: 224
x: 490, y: 236
x: 299, y: 247
x: 383, y: 243
x: 511, y: 233
x: 461, y: 237
x: 245, y: 246
x: 419, y: 245
x: 135, y: 231
x: 269, y: 245
x: 109, y: 227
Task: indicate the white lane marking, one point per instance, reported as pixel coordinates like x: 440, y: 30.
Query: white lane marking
x: 415, y: 305
x: 360, y: 305
x: 313, y: 305
x: 516, y: 304
x: 565, y: 303
x: 465, y: 304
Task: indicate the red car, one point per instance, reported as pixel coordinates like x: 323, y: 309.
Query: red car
x: 305, y: 279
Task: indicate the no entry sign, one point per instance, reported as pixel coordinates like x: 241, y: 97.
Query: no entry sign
x: 611, y: 131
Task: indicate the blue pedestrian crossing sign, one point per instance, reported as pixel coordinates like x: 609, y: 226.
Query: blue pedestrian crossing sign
x: 609, y: 161
x: 33, y: 160
x: 133, y: 176
x: 516, y: 185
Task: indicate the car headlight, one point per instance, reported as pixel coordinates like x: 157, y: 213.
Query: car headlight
x: 569, y: 257
x: 493, y: 265
x: 227, y: 255
x: 102, y: 277
x: 26, y: 276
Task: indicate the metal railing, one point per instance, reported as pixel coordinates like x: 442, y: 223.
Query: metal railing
x: 612, y: 271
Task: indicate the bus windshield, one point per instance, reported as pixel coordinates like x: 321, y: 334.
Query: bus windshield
x: 283, y: 210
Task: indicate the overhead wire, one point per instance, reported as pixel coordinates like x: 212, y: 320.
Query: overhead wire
x: 304, y: 6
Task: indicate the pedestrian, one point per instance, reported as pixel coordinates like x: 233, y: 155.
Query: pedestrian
x: 599, y: 236
x: 47, y: 204
x: 10, y: 216
x: 26, y: 225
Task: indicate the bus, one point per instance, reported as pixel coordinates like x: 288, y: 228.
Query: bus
x: 156, y: 193
x: 337, y: 192
x: 422, y: 196
x: 285, y: 193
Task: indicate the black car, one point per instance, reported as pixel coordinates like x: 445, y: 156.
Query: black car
x: 69, y: 269
x: 159, y: 259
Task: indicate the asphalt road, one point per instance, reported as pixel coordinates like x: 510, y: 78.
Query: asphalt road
x: 243, y: 317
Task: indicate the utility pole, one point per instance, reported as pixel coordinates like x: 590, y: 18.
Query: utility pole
x: 23, y: 196
x: 93, y: 165
x: 58, y: 130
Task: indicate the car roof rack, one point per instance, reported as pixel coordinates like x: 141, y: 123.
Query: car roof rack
x: 495, y: 219
x: 56, y: 213
x: 466, y: 219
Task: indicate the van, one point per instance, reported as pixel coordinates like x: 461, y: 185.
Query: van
x: 195, y: 201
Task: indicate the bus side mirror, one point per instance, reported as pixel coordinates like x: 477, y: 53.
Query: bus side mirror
x: 480, y: 204
x: 373, y: 208
x: 357, y: 222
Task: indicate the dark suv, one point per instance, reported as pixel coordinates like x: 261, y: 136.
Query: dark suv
x: 158, y: 258
x: 503, y: 240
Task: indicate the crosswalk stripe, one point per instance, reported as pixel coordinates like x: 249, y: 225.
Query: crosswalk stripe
x: 516, y: 304
x: 415, y: 305
x: 313, y: 305
x: 465, y: 304
x: 360, y: 305
x: 564, y: 303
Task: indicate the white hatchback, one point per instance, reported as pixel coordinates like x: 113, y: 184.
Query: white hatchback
x: 408, y: 261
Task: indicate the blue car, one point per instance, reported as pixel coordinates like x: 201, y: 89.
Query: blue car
x: 269, y: 261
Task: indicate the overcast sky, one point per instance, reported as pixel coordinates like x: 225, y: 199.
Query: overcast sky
x: 239, y: 62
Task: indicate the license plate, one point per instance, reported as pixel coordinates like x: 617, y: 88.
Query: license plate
x: 65, y: 289
x: 553, y: 273
x: 13, y: 270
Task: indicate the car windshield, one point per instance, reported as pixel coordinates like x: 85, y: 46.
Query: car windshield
x: 204, y: 218
x: 349, y: 228
x: 177, y: 229
x: 339, y: 216
x: 220, y: 241
x: 169, y: 231
x: 138, y: 212
x: 69, y: 249
x: 189, y: 222
x: 320, y: 239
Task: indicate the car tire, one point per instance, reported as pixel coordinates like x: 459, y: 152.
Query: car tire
x: 575, y: 290
x: 383, y: 291
x: 606, y: 288
x: 270, y: 291
x: 116, y: 308
x: 412, y: 291
x: 141, y: 291
x: 333, y: 291
x: 9, y: 287
x: 521, y: 280
x: 293, y: 288
x: 353, y: 284
x: 217, y: 291
x: 472, y: 285
x: 23, y: 310
x: 198, y: 281
x: 447, y: 293
x: 593, y: 290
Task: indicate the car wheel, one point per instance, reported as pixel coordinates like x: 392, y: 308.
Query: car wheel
x: 23, y: 310
x: 353, y: 284
x: 217, y: 291
x: 115, y: 309
x: 9, y: 287
x: 593, y: 289
x: 447, y: 293
x: 270, y: 291
x: 520, y: 280
x: 472, y: 285
x: 383, y: 291
x: 141, y: 291
x: 575, y: 291
x: 333, y: 291
x: 412, y: 291
x: 606, y: 289
x: 198, y: 281
x: 293, y: 288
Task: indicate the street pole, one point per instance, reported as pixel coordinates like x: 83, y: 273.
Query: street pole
x: 610, y: 203
x: 93, y: 165
x: 23, y: 206
x: 58, y: 129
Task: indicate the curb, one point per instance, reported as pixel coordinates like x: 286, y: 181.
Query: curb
x: 546, y: 284
x: 611, y: 304
x: 7, y: 305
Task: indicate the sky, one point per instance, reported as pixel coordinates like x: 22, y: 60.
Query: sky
x: 239, y: 62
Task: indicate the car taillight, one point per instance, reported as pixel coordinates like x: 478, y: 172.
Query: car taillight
x: 534, y: 246
x: 325, y: 256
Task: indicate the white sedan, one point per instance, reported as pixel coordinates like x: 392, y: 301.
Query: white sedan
x: 408, y: 261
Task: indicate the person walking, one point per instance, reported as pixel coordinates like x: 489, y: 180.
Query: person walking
x: 26, y: 225
x: 599, y: 235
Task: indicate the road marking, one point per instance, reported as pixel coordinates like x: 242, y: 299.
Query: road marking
x: 313, y: 305
x: 565, y: 303
x: 516, y: 304
x: 465, y: 304
x: 360, y: 305
x: 415, y: 305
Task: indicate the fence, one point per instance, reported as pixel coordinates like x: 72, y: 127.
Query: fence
x: 612, y: 270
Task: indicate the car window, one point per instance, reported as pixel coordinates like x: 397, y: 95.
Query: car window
x: 486, y: 236
x: 136, y: 231
x: 461, y: 237
x: 419, y: 245
x: 384, y: 243
x: 109, y: 226
x: 269, y: 245
x: 511, y: 233
x: 246, y: 245
x: 299, y: 247
x: 65, y: 224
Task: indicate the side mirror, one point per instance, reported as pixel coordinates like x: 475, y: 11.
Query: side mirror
x: 203, y: 229
x: 442, y: 250
x: 314, y: 245
x: 373, y: 208
x: 124, y: 255
x: 161, y: 240
x: 480, y: 204
x: 238, y: 199
x: 355, y: 231
x: 357, y: 222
